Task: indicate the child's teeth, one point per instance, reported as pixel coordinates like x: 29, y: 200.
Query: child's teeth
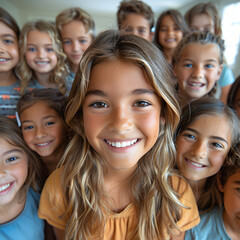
x: 4, y: 187
x: 122, y: 144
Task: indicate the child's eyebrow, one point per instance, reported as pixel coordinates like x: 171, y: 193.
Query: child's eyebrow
x: 135, y: 92
x: 214, y: 137
x: 13, y: 151
x: 8, y: 35
x: 46, y: 117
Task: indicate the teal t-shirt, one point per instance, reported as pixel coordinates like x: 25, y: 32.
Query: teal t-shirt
x: 27, y: 226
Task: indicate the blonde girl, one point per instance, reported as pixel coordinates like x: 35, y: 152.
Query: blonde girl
x: 42, y: 61
x: 170, y: 29
x: 204, y: 17
x: 9, y: 55
x: 197, y: 64
x: 117, y: 179
x: 21, y: 178
x: 207, y: 131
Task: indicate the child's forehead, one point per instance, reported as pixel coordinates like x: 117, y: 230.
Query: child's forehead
x: 195, y: 48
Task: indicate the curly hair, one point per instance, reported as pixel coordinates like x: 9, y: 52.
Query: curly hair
x: 232, y: 93
x: 157, y: 204
x: 25, y: 72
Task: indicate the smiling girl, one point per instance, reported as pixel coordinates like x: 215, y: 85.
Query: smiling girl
x: 207, y: 131
x: 42, y: 61
x: 116, y: 179
x: 43, y: 127
x: 197, y: 64
x: 20, y: 182
x: 9, y: 57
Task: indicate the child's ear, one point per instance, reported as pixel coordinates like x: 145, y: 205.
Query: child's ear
x: 220, y: 186
x: 219, y: 71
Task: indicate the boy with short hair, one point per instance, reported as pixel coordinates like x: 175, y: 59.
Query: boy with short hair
x: 136, y: 17
x: 77, y: 31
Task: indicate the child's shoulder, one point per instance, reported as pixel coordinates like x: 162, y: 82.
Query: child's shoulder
x: 211, y: 226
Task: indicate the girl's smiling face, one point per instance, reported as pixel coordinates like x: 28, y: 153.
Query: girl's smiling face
x: 13, y: 172
x: 197, y: 70
x: 9, y: 54
x: 202, y: 147
x: 169, y: 33
x: 121, y: 114
x: 40, y: 55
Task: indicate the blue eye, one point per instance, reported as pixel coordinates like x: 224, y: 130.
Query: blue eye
x: 32, y: 49
x: 99, y: 105
x: 50, y: 123
x: 11, y: 159
x: 8, y: 41
x: 28, y: 127
x: 188, y: 65
x: 67, y: 42
x: 142, y: 103
x: 190, y: 136
x: 217, y: 145
x: 209, y: 66
x: 83, y: 41
x: 49, y: 50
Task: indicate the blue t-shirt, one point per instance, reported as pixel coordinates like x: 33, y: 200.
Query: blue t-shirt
x: 211, y: 226
x: 226, y: 77
x: 27, y: 226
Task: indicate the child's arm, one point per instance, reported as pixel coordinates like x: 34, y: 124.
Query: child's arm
x: 59, y: 234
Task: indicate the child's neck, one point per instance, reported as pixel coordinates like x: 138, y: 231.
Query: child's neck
x: 74, y: 68
x: 7, y: 78
x: 52, y: 161
x: 44, y: 80
x: 168, y: 53
x: 11, y: 210
x: 197, y: 187
x: 118, y: 190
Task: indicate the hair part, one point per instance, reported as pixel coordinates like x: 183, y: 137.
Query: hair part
x: 134, y: 7
x: 25, y: 72
x: 82, y: 178
x: 8, y: 20
x: 77, y: 14
x: 178, y: 20
x: 205, y: 8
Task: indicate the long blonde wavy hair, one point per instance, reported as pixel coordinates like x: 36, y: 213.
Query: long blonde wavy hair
x: 25, y: 73
x: 157, y: 204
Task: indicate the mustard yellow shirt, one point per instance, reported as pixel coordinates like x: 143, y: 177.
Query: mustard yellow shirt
x: 118, y: 225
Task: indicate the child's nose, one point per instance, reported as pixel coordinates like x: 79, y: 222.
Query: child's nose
x: 121, y: 121
x: 76, y: 46
x: 199, y: 150
x: 41, y: 53
x: 198, y: 72
x: 40, y: 132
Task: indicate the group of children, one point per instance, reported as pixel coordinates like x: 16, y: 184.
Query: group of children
x: 127, y: 135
